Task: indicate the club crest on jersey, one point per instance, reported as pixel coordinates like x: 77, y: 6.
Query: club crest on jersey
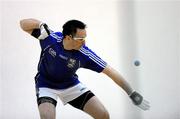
x: 52, y: 52
x: 71, y: 63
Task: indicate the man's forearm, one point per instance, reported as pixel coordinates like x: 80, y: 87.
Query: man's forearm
x: 136, y: 98
x: 118, y: 79
x: 29, y: 24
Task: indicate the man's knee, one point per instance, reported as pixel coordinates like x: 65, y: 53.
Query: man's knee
x: 102, y: 114
x: 47, y: 111
x: 45, y: 115
x: 47, y: 107
x: 105, y: 114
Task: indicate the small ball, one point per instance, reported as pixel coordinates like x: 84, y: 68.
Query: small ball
x: 136, y: 63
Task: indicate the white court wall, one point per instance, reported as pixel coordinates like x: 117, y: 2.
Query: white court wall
x: 118, y: 31
x: 0, y: 65
x: 157, y: 34
x: 158, y: 45
x: 150, y: 34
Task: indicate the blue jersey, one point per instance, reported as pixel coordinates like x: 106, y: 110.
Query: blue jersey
x: 57, y: 67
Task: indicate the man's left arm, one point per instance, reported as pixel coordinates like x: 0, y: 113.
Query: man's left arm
x: 136, y: 98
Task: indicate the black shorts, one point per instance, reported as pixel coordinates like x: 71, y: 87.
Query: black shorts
x: 80, y: 101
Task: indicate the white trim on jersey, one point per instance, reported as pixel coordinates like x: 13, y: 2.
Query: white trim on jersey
x: 93, y: 57
x: 59, y: 38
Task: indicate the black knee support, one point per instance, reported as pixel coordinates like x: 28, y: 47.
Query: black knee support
x: 46, y: 100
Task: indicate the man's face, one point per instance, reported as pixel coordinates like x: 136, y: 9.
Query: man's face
x: 78, y: 40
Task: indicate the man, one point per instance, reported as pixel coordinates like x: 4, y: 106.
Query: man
x: 62, y: 54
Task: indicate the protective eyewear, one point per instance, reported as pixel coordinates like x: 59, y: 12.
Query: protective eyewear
x: 82, y: 39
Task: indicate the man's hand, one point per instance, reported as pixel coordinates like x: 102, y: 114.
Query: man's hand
x: 138, y: 100
x: 45, y: 31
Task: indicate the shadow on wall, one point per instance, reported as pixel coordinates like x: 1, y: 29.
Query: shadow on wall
x: 129, y: 51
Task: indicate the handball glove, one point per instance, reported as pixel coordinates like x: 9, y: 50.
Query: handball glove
x: 45, y: 31
x: 138, y: 100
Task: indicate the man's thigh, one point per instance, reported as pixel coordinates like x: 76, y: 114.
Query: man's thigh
x: 96, y: 109
x: 90, y: 104
x: 47, y: 101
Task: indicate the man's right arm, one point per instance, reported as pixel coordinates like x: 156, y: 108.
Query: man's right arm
x: 28, y: 25
x: 36, y: 28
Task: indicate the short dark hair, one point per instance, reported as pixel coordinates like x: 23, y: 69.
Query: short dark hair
x: 70, y: 27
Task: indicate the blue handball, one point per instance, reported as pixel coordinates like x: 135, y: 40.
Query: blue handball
x: 136, y: 63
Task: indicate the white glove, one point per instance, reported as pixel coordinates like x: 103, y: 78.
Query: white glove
x: 45, y: 31
x: 138, y: 100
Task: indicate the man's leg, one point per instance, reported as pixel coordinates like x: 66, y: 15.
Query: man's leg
x: 47, y: 101
x: 47, y: 108
x: 90, y: 104
x: 96, y: 109
x: 47, y: 111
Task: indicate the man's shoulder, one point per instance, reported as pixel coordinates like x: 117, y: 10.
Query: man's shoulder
x: 57, y: 35
x: 86, y: 50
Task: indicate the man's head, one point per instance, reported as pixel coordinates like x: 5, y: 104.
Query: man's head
x: 74, y: 34
x: 70, y: 27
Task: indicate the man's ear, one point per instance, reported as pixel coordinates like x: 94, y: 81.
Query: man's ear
x: 68, y: 37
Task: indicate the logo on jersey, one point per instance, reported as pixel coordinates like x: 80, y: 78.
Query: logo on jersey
x: 71, y: 63
x: 52, y: 52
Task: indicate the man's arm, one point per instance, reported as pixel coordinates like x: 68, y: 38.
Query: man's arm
x: 136, y: 98
x: 28, y: 25
x: 118, y: 79
x: 36, y: 28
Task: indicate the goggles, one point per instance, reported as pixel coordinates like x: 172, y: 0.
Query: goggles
x: 82, y: 39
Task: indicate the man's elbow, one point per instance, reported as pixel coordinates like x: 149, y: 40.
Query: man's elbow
x: 25, y: 25
x: 22, y: 25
